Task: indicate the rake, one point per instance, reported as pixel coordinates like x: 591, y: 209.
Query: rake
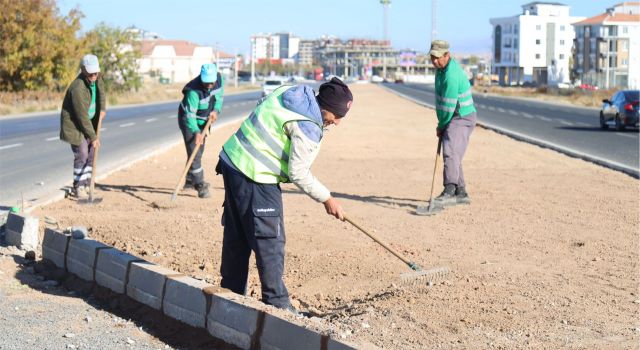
x: 418, y: 275
x: 432, y: 209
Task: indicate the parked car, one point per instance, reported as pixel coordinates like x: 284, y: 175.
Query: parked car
x: 271, y: 84
x: 621, y: 110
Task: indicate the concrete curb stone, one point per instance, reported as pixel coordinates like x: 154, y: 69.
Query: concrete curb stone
x: 147, y: 282
x: 54, y: 247
x: 22, y: 231
x: 112, y: 269
x: 81, y: 257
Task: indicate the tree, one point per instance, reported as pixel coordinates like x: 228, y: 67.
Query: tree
x: 39, y: 48
x: 118, y: 51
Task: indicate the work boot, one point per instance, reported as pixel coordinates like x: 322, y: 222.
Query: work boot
x: 188, y: 184
x: 447, y: 197
x: 462, y: 197
x: 80, y: 192
x: 203, y: 190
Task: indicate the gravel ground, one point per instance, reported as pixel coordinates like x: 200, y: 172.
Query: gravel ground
x: 37, y: 312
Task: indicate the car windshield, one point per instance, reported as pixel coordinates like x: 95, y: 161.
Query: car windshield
x: 273, y: 82
x: 631, y: 95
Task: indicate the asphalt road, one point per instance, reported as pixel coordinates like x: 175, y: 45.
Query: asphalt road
x: 34, y: 162
x: 563, y: 127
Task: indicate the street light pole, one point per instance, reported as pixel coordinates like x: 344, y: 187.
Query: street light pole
x: 235, y: 67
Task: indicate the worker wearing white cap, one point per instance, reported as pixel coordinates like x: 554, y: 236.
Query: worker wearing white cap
x: 84, y: 100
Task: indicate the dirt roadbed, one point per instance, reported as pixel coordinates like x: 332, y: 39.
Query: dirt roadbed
x: 546, y: 256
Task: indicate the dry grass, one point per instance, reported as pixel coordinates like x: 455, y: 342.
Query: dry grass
x: 35, y: 101
x: 578, y: 97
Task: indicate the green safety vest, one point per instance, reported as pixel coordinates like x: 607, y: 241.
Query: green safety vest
x: 260, y: 149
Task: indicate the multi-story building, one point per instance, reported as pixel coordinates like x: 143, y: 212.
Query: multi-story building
x: 278, y: 48
x: 607, y: 48
x: 306, y: 52
x: 356, y: 57
x: 534, y: 46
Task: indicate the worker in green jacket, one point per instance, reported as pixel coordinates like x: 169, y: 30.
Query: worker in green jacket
x: 456, y: 120
x: 84, y: 100
x: 202, y: 99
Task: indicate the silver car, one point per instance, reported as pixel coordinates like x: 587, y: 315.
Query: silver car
x: 621, y: 111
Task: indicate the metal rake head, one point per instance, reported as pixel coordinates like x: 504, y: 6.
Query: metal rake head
x: 428, y: 277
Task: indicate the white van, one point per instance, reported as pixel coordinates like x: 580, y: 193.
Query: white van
x: 272, y: 83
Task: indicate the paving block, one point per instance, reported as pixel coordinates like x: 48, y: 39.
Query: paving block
x: 22, y: 231
x: 81, y: 257
x: 112, y: 267
x: 54, y: 247
x: 146, y: 283
x: 281, y: 334
x: 232, y: 321
x: 185, y: 300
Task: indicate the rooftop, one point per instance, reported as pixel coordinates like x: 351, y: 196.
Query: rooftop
x: 605, y: 18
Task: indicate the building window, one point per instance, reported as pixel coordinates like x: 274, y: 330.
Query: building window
x: 515, y: 43
x: 537, y: 41
x: 625, y: 46
x: 562, y: 28
x: 515, y: 28
x: 625, y: 62
x: 561, y: 56
x: 537, y: 56
x: 561, y: 42
x: 538, y: 27
x: 625, y: 30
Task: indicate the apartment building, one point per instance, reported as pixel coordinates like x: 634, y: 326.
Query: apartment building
x: 278, y: 48
x: 534, y: 46
x: 607, y: 48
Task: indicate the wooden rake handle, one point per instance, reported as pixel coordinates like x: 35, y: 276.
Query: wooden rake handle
x: 384, y: 245
x: 435, y: 168
x: 190, y: 161
x: 94, y: 162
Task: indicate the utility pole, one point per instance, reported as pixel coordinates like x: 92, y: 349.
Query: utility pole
x: 235, y: 67
x: 434, y: 31
x: 253, y: 63
x: 385, y: 6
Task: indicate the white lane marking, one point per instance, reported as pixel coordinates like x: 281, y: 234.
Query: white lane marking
x: 566, y: 122
x: 527, y: 115
x: 53, y: 138
x: 150, y: 120
x: 480, y: 105
x: 583, y: 124
x: 126, y: 125
x: 544, y: 118
x: 171, y: 116
x: 102, y: 129
x: 11, y: 146
x: 502, y: 110
x: 513, y: 112
x: 492, y: 108
x: 625, y: 135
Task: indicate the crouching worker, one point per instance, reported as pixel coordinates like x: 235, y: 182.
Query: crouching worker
x: 277, y: 143
x: 202, y: 100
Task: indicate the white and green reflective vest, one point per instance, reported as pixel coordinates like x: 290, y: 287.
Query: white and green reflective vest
x: 453, y: 94
x: 260, y: 149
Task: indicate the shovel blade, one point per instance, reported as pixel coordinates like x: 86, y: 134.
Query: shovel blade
x: 428, y: 210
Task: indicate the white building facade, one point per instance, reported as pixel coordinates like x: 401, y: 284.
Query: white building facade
x: 176, y: 60
x: 607, y: 48
x: 535, y: 46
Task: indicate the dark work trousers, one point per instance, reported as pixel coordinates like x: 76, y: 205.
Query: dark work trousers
x: 455, y: 140
x: 253, y: 221
x: 196, y: 172
x: 82, y: 163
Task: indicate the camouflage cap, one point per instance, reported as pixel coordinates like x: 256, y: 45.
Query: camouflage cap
x: 439, y: 48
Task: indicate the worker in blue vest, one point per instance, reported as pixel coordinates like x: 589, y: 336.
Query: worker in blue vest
x: 202, y: 99
x: 277, y: 143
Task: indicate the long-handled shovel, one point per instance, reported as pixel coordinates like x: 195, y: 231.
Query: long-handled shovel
x: 91, y: 199
x: 418, y: 275
x: 432, y: 209
x: 189, y: 161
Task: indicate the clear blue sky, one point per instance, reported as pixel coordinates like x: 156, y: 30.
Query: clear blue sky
x: 230, y: 23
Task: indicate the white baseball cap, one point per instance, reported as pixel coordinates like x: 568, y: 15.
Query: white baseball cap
x: 90, y: 64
